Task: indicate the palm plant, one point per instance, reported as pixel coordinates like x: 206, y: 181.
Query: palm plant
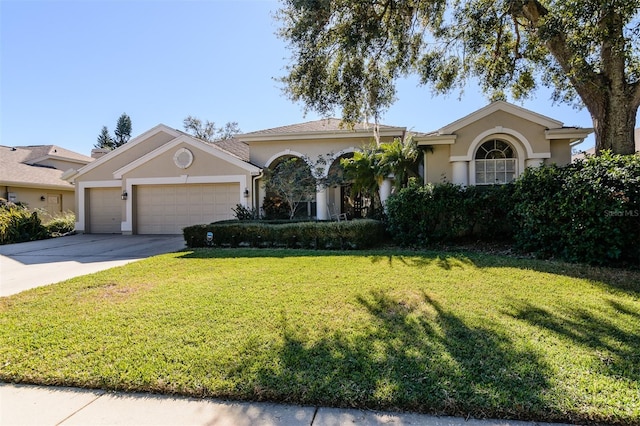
x: 399, y: 158
x: 364, y: 172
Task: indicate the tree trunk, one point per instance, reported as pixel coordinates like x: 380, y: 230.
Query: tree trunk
x: 614, y: 124
x: 605, y: 90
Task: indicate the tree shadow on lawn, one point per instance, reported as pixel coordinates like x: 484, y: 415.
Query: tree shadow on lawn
x: 419, y: 358
x: 615, y: 351
x: 627, y: 281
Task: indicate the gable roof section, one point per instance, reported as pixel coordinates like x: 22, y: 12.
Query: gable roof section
x: 40, y: 153
x: 15, y: 171
x: 124, y: 148
x: 524, y: 113
x: 235, y: 147
x: 325, y: 128
x: 193, y: 142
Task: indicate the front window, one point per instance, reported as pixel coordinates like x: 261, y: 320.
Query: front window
x: 495, y: 163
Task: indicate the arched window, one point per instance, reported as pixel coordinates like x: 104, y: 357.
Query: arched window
x: 495, y: 163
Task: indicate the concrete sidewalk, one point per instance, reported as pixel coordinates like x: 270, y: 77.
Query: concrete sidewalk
x: 38, y: 405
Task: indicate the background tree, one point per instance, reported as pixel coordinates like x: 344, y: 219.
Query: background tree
x: 348, y: 54
x: 122, y: 134
x: 208, y: 131
x: 123, y: 130
x: 105, y: 141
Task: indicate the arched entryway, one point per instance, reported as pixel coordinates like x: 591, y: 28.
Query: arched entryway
x: 289, y: 188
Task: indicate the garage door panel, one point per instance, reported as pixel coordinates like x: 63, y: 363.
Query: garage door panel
x: 105, y: 211
x: 166, y: 209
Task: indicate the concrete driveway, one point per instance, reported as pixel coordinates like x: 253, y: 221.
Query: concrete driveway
x: 37, y: 263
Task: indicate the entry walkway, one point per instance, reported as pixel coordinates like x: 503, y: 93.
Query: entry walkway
x: 37, y: 405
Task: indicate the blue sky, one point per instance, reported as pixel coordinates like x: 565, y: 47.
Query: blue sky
x: 67, y: 68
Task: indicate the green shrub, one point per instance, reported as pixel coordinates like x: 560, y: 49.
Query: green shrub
x: 18, y: 224
x: 244, y: 213
x: 419, y: 215
x: 61, y: 224
x: 588, y: 211
x: 356, y: 234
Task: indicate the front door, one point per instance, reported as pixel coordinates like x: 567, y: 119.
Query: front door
x: 354, y: 205
x: 54, y: 204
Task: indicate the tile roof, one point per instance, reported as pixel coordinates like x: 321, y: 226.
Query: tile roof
x: 15, y: 170
x: 324, y: 125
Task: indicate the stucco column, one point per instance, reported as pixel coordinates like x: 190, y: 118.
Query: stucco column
x: 534, y: 162
x: 321, y: 204
x: 460, y: 171
x: 385, y: 191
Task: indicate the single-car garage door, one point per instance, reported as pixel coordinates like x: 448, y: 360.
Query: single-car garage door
x: 166, y: 209
x: 105, y: 211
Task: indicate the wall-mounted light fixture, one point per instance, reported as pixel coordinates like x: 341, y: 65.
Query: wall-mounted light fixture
x: 124, y: 195
x: 42, y: 198
x: 246, y: 193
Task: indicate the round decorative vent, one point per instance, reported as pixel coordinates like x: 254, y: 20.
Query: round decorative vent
x: 183, y: 158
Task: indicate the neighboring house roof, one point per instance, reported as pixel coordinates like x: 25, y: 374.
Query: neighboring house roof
x: 39, y: 153
x: 327, y: 127
x: 19, y: 167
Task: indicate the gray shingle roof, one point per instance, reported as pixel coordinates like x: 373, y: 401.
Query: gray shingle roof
x: 39, y: 151
x: 234, y: 147
x: 324, y: 125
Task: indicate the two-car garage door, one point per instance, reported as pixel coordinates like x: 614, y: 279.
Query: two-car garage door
x: 163, y: 209
x: 166, y: 209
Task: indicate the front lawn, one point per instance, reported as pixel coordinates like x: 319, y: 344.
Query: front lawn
x: 434, y: 332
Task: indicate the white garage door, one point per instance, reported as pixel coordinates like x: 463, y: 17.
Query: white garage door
x: 105, y: 211
x: 166, y: 209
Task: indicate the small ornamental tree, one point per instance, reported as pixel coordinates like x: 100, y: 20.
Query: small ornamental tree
x: 292, y: 181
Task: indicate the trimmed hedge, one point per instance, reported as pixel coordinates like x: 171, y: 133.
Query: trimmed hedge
x: 419, y: 215
x: 355, y: 234
x: 587, y: 211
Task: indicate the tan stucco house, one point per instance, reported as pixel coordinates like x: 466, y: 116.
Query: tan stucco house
x: 33, y: 175
x: 165, y: 179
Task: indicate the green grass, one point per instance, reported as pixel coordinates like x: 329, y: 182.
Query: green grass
x: 444, y: 333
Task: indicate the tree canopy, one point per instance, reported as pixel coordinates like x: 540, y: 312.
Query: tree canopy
x: 104, y: 139
x: 123, y: 130
x: 348, y: 54
x: 207, y: 131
